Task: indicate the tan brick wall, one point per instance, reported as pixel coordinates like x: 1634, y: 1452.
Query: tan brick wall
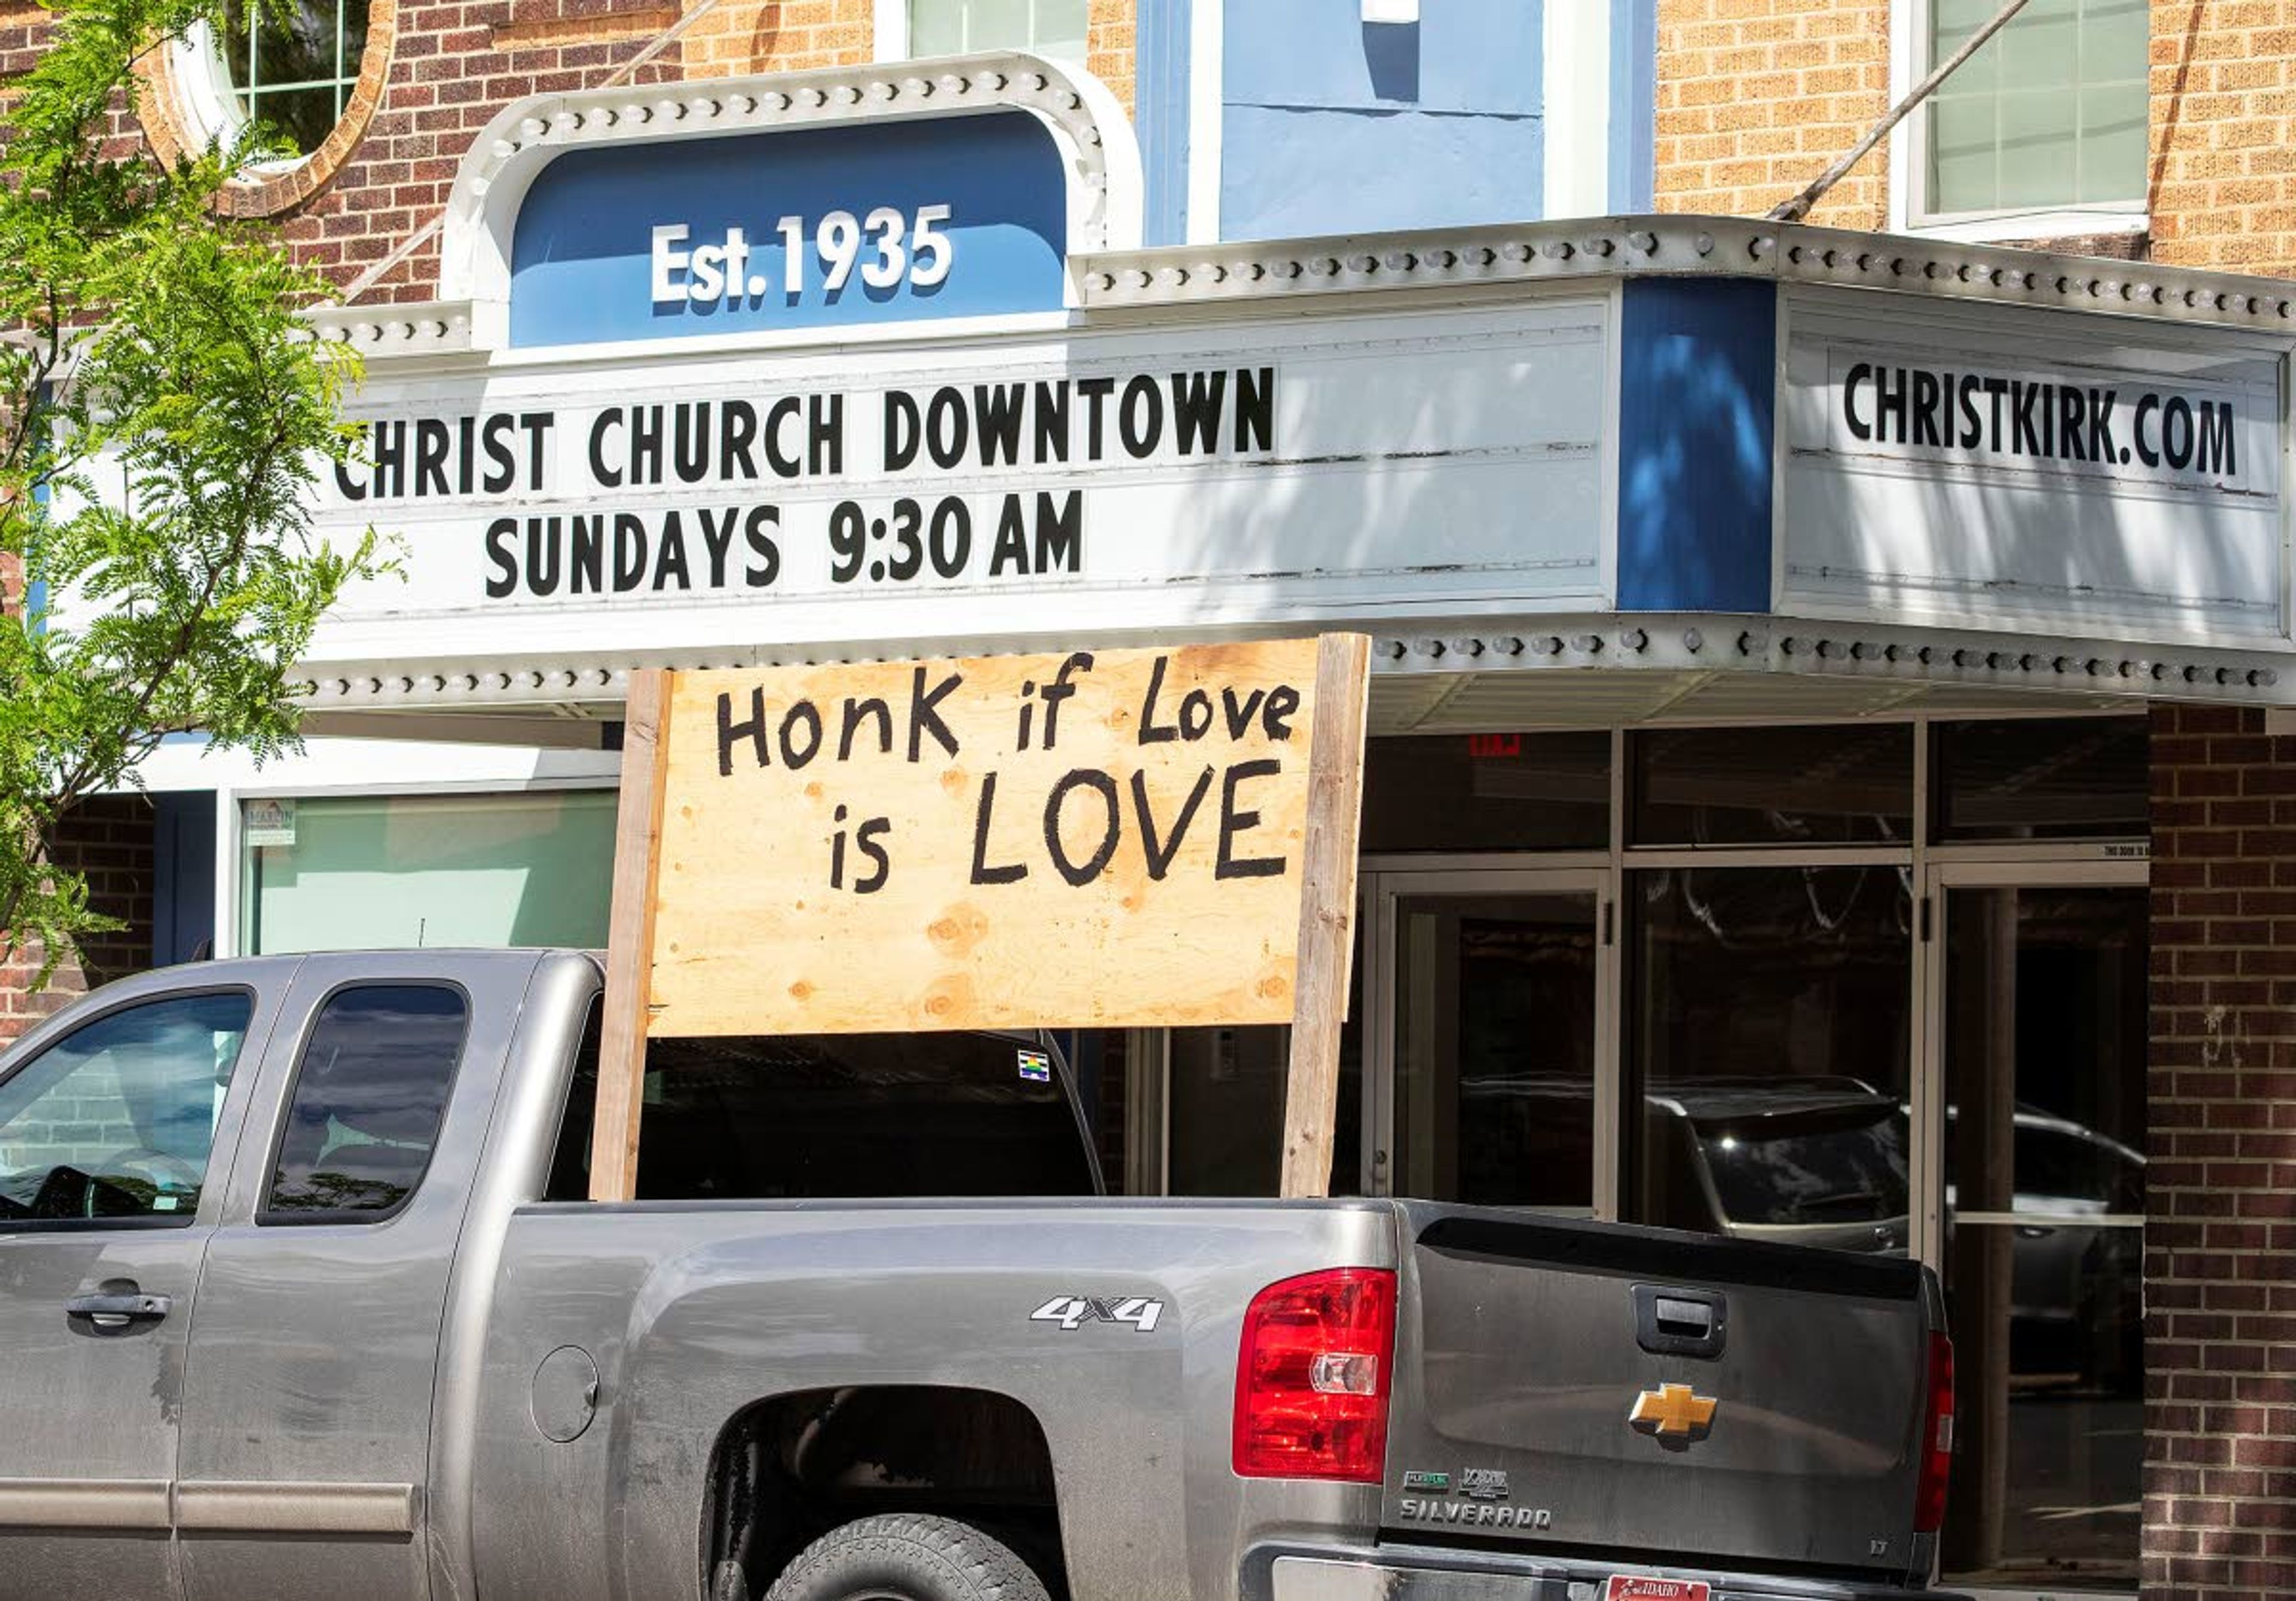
x: 771, y: 36
x: 2223, y: 178
x: 1756, y: 97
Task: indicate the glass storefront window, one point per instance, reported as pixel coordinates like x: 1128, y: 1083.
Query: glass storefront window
x: 1495, y: 1049
x: 360, y: 872
x: 2045, y: 1059
x: 2043, y: 778
x: 1486, y: 792
x: 1824, y: 784
x: 1769, y: 1040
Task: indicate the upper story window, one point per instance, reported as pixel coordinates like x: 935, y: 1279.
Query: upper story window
x: 290, y: 71
x: 1053, y: 28
x: 2042, y: 132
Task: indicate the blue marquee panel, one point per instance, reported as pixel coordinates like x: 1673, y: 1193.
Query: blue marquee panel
x: 585, y: 264
x: 1697, y: 419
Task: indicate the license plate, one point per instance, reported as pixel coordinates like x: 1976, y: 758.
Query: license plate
x: 1630, y: 1587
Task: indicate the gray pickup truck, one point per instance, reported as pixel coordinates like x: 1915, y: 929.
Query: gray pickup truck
x: 299, y: 1298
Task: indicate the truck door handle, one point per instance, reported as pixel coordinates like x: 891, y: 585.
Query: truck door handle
x: 118, y: 1311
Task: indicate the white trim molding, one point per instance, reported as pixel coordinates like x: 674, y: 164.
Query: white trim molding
x: 1094, y: 135
x: 1576, y: 100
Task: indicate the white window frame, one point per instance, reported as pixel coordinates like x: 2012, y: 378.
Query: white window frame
x: 204, y: 100
x: 1909, y: 26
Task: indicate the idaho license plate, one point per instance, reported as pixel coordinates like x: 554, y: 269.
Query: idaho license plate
x: 1628, y: 1587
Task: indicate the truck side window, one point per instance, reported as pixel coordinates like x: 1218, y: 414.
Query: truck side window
x: 369, y: 1094
x: 115, y: 1120
x: 839, y: 1116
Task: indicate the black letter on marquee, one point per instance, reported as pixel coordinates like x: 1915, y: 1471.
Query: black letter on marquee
x: 500, y: 532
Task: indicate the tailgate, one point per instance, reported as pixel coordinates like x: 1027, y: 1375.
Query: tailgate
x: 1525, y: 1344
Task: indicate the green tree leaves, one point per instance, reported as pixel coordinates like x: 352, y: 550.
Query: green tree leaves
x: 163, y: 413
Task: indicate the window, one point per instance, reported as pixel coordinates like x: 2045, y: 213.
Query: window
x: 1053, y: 28
x: 1819, y: 785
x: 840, y: 1116
x: 288, y: 69
x: 369, y: 1094
x: 2050, y: 116
x: 365, y: 872
x: 2047, y: 779
x: 116, y: 1120
x: 1486, y: 792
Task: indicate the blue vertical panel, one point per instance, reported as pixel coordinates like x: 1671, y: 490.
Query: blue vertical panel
x: 1634, y: 103
x: 184, y: 875
x: 1160, y: 98
x: 1697, y: 428
x: 1331, y: 124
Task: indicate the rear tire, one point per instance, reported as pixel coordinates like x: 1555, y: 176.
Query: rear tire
x: 904, y: 1556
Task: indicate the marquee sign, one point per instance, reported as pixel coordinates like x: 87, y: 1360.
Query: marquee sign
x: 2028, y: 469
x: 861, y: 226
x: 1440, y: 461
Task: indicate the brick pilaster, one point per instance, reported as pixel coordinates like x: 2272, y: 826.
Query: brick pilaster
x: 2219, y: 1516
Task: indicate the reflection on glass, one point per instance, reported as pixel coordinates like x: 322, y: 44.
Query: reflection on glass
x: 1486, y: 792
x: 1817, y: 785
x: 116, y: 1119
x: 1770, y: 1041
x: 369, y: 1094
x: 366, y: 872
x: 2051, y: 112
x: 2044, y: 1189
x: 1055, y: 27
x: 2041, y: 779
x: 1495, y: 1049
x: 292, y: 68
x: 1224, y: 1123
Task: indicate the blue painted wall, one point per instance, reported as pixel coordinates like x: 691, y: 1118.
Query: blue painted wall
x: 1331, y: 124
x: 1159, y: 95
x: 1634, y: 103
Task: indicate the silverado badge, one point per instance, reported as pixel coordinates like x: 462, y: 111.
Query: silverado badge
x: 1673, y: 1412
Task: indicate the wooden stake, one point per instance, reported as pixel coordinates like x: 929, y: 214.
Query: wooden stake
x: 1327, y: 909
x: 629, y: 940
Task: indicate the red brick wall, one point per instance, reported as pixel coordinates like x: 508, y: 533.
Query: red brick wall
x: 2220, y: 1246
x: 110, y: 840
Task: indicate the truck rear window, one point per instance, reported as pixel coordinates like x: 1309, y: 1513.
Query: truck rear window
x: 843, y: 1116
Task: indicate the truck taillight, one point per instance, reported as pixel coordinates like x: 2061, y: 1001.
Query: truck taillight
x: 1311, y: 1381
x: 1937, y: 1440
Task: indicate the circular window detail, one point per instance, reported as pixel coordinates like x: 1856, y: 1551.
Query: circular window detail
x: 310, y: 78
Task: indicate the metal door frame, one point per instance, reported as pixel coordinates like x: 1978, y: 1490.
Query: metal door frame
x: 1386, y: 881
x: 1980, y: 869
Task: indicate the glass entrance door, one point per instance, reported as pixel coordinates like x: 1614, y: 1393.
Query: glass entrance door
x: 1493, y: 1028
x: 2040, y: 1035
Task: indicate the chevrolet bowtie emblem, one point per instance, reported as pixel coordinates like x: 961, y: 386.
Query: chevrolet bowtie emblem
x: 1672, y: 1412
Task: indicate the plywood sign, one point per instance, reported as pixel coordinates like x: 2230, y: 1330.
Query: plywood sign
x: 1089, y: 838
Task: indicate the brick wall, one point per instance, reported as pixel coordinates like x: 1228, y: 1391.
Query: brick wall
x: 110, y: 840
x: 438, y: 70
x: 1756, y: 97
x: 2223, y: 177
x: 2220, y: 1245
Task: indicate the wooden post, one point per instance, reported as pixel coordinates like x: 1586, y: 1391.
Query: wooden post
x: 1327, y: 910
x: 629, y: 940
